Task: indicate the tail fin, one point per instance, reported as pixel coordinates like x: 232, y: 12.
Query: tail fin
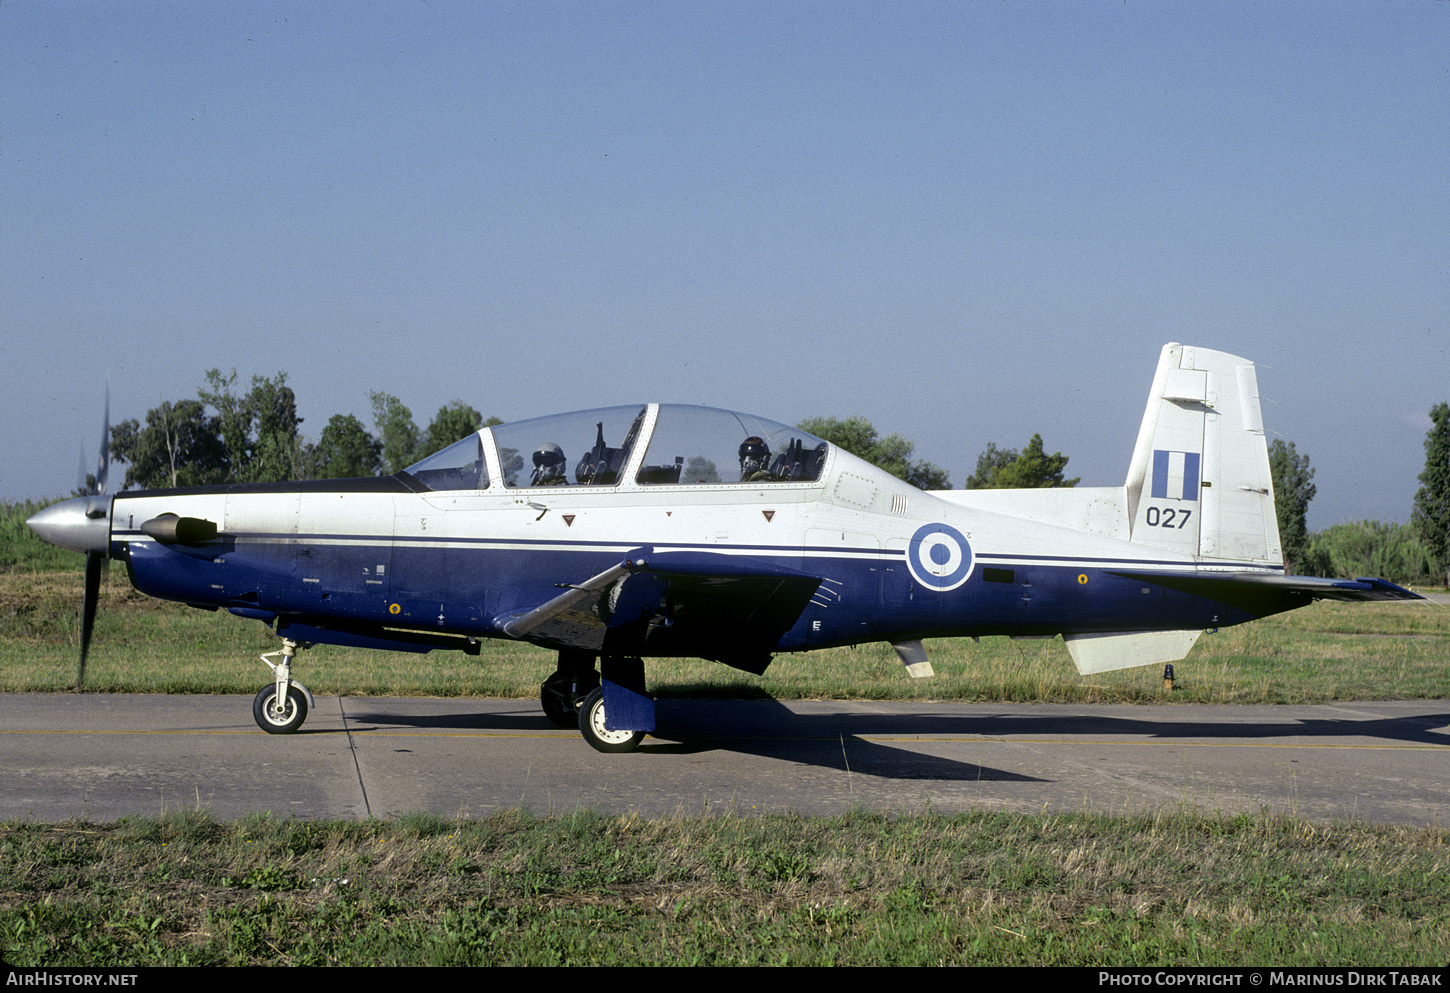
x: 1199, y: 481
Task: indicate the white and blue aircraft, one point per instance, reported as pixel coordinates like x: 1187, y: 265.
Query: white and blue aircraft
x: 686, y: 531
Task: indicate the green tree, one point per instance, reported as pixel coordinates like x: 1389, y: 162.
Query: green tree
x: 989, y: 463
x: 179, y: 446
x: 453, y: 421
x: 277, y: 443
x: 259, y: 428
x: 234, y: 423
x: 1293, y: 489
x: 1431, y: 516
x: 1031, y: 468
x: 1370, y: 548
x: 892, y: 453
x: 397, y: 431
x: 345, y: 451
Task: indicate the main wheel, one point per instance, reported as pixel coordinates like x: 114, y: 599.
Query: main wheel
x: 561, y: 694
x: 279, y: 720
x: 556, y: 707
x: 591, y: 724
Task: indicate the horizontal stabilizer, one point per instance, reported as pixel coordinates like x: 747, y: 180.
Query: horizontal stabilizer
x: 1363, y: 588
x: 1236, y: 585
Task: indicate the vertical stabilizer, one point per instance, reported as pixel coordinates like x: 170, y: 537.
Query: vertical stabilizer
x: 1199, y: 481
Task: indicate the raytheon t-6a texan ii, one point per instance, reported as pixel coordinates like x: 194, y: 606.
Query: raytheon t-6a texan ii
x: 669, y: 530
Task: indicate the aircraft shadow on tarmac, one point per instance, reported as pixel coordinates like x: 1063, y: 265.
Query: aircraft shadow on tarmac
x: 771, y: 731
x: 767, y: 729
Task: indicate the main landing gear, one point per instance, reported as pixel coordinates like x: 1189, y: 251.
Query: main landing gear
x: 565, y: 690
x: 281, y: 706
x: 592, y: 726
x: 575, y: 696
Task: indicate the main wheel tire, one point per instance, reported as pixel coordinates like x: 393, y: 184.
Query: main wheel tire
x: 591, y: 725
x: 560, y: 696
x: 279, y: 720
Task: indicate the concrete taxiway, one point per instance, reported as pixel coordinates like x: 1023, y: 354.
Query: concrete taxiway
x: 100, y: 756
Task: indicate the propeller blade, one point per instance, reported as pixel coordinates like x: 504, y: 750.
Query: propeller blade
x: 103, y: 462
x: 95, y: 565
x: 96, y: 508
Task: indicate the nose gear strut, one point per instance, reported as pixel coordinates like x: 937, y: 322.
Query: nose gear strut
x: 281, y: 706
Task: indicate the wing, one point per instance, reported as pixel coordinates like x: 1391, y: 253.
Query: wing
x: 725, y: 608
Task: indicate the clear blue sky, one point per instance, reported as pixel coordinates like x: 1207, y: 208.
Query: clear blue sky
x: 968, y: 222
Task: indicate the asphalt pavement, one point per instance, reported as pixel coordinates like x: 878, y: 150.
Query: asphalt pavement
x: 104, y: 756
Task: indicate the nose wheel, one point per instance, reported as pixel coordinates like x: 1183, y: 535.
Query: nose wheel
x: 279, y: 715
x: 281, y: 706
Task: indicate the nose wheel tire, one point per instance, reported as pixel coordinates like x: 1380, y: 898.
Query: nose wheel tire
x: 279, y: 720
x: 591, y: 725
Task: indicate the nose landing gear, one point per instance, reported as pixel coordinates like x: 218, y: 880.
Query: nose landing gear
x: 281, y: 706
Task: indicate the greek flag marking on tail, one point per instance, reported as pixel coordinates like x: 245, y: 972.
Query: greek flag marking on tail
x: 1175, y: 475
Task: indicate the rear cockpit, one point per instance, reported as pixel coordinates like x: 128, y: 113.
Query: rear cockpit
x: 651, y: 445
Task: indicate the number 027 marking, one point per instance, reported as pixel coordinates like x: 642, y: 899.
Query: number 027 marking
x: 1168, y: 517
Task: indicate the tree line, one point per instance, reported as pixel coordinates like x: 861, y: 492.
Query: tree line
x: 233, y: 435
x: 997, y: 468
x: 228, y: 434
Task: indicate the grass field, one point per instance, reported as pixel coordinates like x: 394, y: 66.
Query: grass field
x: 863, y: 888
x: 858, y: 889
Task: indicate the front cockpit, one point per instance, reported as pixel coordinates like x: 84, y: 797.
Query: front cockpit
x: 650, y: 445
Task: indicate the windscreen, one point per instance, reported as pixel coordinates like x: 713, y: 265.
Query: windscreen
x: 460, y: 466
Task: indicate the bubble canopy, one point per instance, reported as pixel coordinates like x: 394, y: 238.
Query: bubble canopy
x: 685, y: 445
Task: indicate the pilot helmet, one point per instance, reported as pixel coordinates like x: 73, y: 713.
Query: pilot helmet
x: 754, y: 456
x: 548, y: 462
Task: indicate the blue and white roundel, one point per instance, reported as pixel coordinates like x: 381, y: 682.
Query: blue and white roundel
x: 939, y: 557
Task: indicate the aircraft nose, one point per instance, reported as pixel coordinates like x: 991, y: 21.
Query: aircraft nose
x: 82, y: 524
